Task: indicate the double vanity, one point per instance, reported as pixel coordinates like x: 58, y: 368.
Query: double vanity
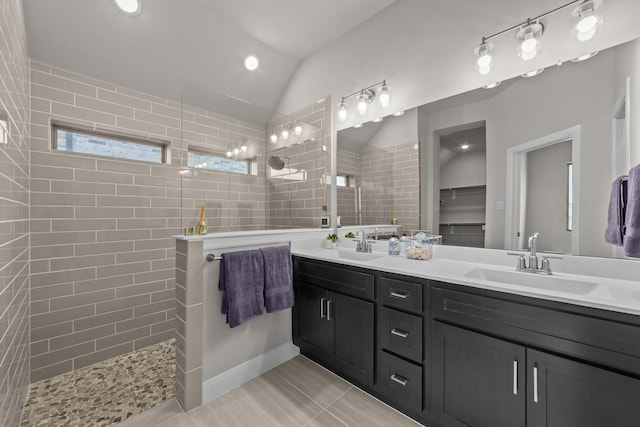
x: 451, y: 342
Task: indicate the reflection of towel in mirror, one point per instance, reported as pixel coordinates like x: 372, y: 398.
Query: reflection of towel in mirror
x: 632, y: 222
x: 278, y: 278
x: 616, y: 216
x: 242, y: 286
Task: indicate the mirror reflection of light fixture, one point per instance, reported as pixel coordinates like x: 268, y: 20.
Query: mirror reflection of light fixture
x: 274, y: 137
x: 529, y: 39
x: 285, y: 132
x: 492, y: 85
x: 586, y: 21
x: 297, y: 130
x: 532, y: 73
x: 484, y: 58
x: 584, y: 57
x: 378, y: 120
x: 358, y: 126
x: 238, y: 148
x: 398, y: 113
x: 364, y: 98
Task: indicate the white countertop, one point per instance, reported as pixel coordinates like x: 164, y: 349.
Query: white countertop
x: 614, y: 294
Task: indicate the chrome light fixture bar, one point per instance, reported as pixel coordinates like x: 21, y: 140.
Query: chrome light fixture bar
x: 365, y: 97
x: 586, y: 22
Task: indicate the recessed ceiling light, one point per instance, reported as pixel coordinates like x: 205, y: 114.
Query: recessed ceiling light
x: 492, y: 85
x: 465, y: 146
x: 130, y: 7
x: 584, y: 57
x: 251, y: 62
x: 398, y: 113
x: 533, y: 73
x: 378, y: 120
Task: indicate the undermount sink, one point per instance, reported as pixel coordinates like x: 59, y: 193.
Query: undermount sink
x: 357, y: 256
x: 531, y: 280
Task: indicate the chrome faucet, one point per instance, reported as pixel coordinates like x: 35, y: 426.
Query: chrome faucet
x: 362, y: 245
x: 545, y: 267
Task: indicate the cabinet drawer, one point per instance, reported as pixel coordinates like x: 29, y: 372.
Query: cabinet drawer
x: 400, y: 333
x: 349, y: 281
x: 400, y: 380
x: 400, y: 294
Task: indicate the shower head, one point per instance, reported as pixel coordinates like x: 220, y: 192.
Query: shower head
x: 276, y: 162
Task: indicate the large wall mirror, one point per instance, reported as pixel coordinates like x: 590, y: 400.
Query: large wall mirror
x: 494, y: 165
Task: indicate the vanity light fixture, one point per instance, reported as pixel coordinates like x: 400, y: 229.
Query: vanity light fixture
x: 274, y: 137
x: 365, y: 97
x: 492, y: 85
x: 251, y: 62
x: 237, y: 148
x: 586, y: 22
x: 532, y: 73
x: 464, y: 146
x: 130, y: 7
x: 285, y: 132
x: 297, y: 129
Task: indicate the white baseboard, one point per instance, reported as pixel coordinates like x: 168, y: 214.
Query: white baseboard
x: 235, y: 377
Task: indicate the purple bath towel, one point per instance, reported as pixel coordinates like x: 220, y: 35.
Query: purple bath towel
x: 242, y: 286
x: 278, y: 278
x: 614, y: 233
x: 632, y: 222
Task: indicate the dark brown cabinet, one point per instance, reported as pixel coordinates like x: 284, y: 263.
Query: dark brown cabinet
x: 335, y: 328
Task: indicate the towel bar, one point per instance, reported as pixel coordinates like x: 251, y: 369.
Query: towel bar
x: 213, y: 257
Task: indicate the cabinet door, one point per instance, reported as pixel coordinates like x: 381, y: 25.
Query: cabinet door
x: 564, y: 393
x: 311, y: 319
x: 351, y: 330
x: 477, y: 380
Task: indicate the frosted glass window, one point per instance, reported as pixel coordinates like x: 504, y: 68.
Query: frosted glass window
x: 85, y: 142
x: 220, y: 163
x: 342, y: 181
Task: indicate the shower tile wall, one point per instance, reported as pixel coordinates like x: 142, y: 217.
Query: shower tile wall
x: 14, y: 214
x: 102, y: 256
x: 298, y: 202
x: 390, y: 180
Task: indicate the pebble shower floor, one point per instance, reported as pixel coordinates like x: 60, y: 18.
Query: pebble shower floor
x: 104, y: 393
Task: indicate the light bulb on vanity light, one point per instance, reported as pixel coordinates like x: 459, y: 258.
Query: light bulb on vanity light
x: 342, y: 111
x: 363, y: 100
x: 384, y: 97
x: 298, y: 129
x: 587, y: 20
x: 529, y: 37
x: 484, y: 58
x: 285, y: 133
x: 273, y: 137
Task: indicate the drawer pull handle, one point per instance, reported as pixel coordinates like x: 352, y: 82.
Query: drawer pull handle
x: 515, y: 377
x: 399, y: 295
x: 400, y: 380
x: 400, y: 333
x: 535, y: 384
x: 322, y: 300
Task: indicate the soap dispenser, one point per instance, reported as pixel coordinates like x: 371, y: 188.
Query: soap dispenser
x: 394, y: 245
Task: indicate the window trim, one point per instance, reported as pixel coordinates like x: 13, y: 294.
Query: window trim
x: 210, y: 152
x: 122, y: 137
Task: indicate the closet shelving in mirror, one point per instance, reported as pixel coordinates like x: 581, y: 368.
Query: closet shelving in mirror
x: 462, y: 215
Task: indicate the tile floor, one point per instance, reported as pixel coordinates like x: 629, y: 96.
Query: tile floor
x: 104, y: 393
x: 296, y: 393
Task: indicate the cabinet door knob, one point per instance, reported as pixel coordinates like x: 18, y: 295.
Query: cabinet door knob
x: 399, y: 295
x: 400, y: 333
x: 400, y: 380
x: 515, y: 377
x: 329, y: 304
x: 535, y: 384
x: 322, y: 300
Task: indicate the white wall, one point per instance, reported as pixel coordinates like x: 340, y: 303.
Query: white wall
x: 628, y: 64
x: 397, y: 130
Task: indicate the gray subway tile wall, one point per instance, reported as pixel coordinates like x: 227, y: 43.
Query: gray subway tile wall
x: 14, y: 214
x: 103, y: 281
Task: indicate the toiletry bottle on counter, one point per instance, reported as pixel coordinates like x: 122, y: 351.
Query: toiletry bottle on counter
x: 402, y: 245
x: 394, y: 245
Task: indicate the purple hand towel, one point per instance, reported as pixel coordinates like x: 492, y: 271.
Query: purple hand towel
x: 242, y: 286
x: 632, y: 221
x: 278, y: 278
x: 614, y: 233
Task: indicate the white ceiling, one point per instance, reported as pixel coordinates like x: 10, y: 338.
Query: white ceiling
x: 193, y: 48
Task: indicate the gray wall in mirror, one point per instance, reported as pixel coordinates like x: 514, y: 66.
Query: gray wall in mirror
x: 581, y: 94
